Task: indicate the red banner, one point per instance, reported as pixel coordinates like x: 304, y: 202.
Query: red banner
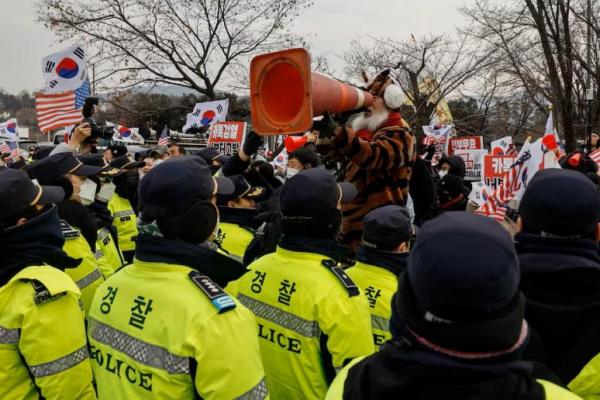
x: 465, y: 143
x: 227, y: 137
x: 494, y: 168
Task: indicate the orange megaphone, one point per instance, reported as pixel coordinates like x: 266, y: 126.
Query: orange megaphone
x: 286, y: 95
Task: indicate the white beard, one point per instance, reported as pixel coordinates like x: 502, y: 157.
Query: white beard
x: 370, y: 122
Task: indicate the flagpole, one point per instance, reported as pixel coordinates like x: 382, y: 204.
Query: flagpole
x: 589, y: 92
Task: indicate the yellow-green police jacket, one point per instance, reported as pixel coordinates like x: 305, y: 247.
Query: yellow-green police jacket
x: 235, y: 239
x: 587, y: 383
x: 311, y: 321
x: 163, y: 331
x: 107, y: 254
x: 125, y: 220
x: 43, y: 351
x: 378, y: 285
x: 551, y: 391
x: 87, y: 275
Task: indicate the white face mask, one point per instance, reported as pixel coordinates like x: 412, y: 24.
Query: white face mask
x: 291, y: 172
x: 443, y: 173
x: 87, y: 192
x: 106, y: 192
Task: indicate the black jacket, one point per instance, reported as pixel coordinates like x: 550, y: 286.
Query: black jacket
x: 399, y: 372
x: 561, y: 281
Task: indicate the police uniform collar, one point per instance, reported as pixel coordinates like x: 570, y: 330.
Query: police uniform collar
x: 245, y: 217
x: 393, y: 262
x: 218, y: 267
x: 325, y: 247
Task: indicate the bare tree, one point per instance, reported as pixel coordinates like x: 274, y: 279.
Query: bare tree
x: 428, y: 69
x: 188, y: 43
x: 539, y: 46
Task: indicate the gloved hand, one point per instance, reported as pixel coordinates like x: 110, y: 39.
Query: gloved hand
x: 252, y: 143
x: 430, y: 152
x: 325, y: 126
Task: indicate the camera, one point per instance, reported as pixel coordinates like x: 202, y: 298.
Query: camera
x: 98, y: 131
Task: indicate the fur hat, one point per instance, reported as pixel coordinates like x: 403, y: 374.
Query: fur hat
x: 384, y: 86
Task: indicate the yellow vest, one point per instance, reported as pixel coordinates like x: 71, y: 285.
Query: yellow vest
x: 311, y: 321
x: 552, y: 391
x: 156, y: 333
x: 235, y: 239
x: 107, y: 255
x: 378, y: 285
x: 87, y: 275
x: 125, y: 220
x: 42, y: 338
x: 587, y: 383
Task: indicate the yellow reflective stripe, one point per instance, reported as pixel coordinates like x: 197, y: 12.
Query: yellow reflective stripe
x: 9, y: 336
x: 98, y: 254
x: 380, y: 323
x: 138, y: 350
x: 59, y: 365
x: 258, y: 392
x: 282, y: 318
x: 89, y: 279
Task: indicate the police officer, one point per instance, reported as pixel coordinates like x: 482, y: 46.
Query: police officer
x: 237, y: 213
x: 120, y: 207
x: 95, y: 193
x: 43, y: 351
x: 380, y: 259
x: 312, y: 318
x: 457, y: 323
x: 55, y: 171
x: 560, y: 275
x: 162, y: 328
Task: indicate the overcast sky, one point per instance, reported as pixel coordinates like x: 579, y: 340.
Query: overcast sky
x: 330, y: 26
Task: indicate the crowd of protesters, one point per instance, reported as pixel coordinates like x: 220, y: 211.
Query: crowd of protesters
x: 353, y: 273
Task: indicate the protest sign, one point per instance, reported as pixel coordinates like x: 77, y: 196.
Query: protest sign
x: 464, y: 143
x: 494, y: 168
x: 227, y: 137
x: 437, y: 135
x: 473, y: 163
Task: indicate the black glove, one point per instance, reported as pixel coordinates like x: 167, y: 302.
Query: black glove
x: 430, y: 152
x: 325, y: 126
x: 252, y: 143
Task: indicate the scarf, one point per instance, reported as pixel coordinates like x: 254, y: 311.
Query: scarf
x: 394, y: 262
x: 245, y: 217
x: 303, y: 244
x: 36, y: 242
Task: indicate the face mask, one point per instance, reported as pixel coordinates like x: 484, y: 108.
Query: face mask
x: 106, y: 192
x: 87, y: 192
x: 443, y: 173
x: 292, y: 172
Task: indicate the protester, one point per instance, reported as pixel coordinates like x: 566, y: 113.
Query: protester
x: 458, y: 329
x: 43, y: 350
x: 303, y: 158
x: 378, y: 149
x: 312, y: 319
x: 120, y: 205
x: 178, y: 334
x: 381, y: 257
x: 79, y: 141
x: 177, y: 150
x: 213, y: 158
x: 237, y: 217
x: 560, y: 266
x: 78, y: 227
x: 148, y: 165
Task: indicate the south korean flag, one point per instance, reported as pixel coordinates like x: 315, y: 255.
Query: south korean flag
x: 65, y: 70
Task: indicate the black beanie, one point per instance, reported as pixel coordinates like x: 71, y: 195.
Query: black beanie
x: 559, y: 202
x: 459, y: 294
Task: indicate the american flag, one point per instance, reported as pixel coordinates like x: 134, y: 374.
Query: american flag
x: 60, y: 109
x: 10, y: 147
x: 495, y: 205
x: 595, y: 155
x: 164, y: 138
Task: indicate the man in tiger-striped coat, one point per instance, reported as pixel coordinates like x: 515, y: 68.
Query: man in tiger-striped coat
x: 379, y: 150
